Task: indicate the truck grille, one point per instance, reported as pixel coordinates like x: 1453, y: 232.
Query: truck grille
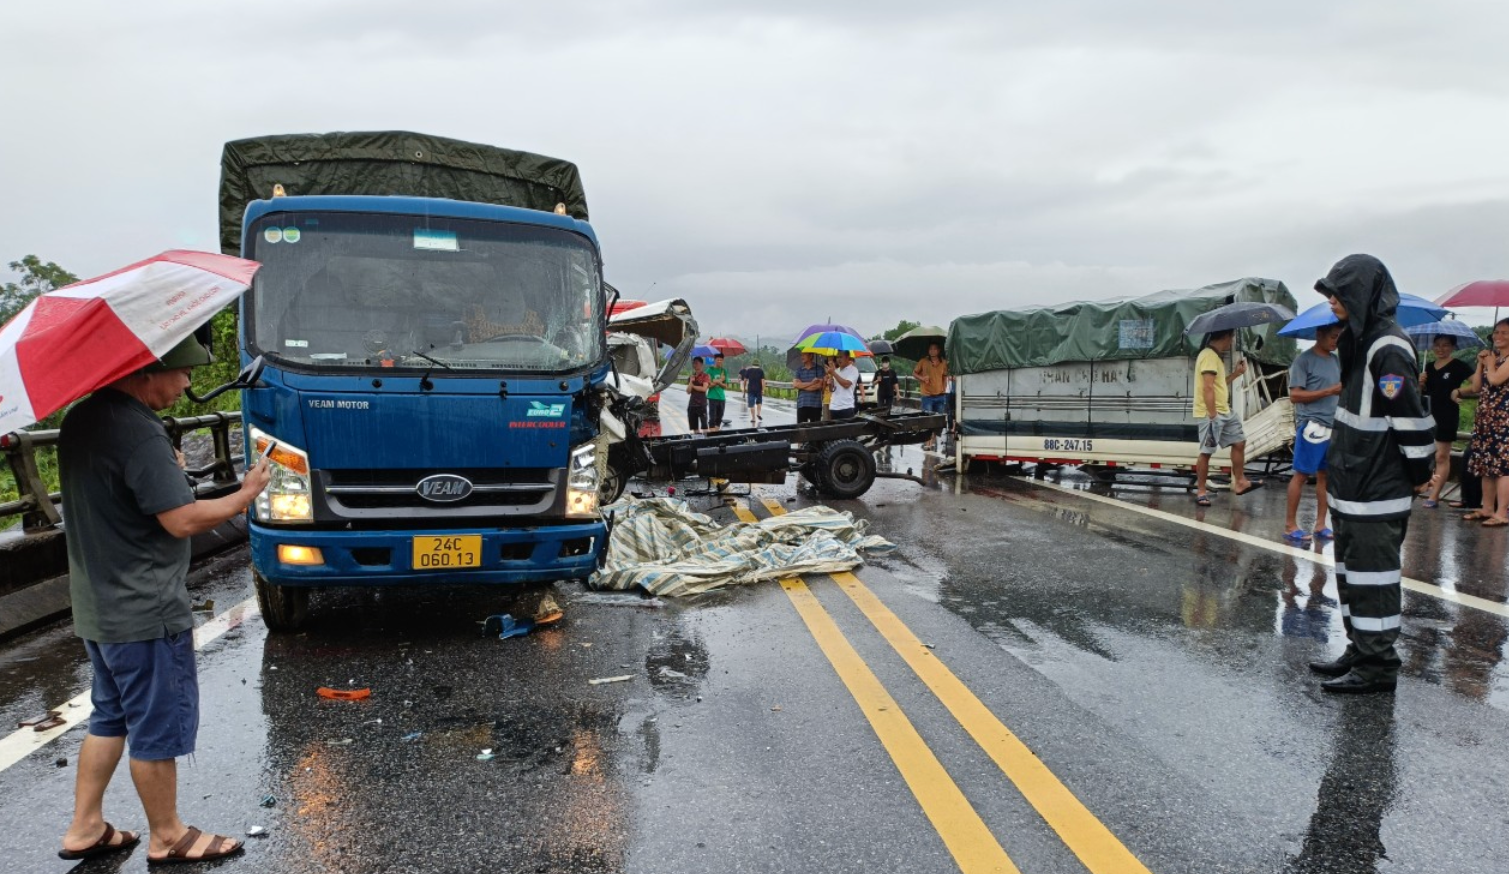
x: 496, y: 488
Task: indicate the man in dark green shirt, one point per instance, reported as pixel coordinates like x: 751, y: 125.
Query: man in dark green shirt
x: 717, y: 395
x: 129, y: 510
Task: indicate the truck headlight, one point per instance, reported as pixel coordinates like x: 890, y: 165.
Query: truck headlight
x: 287, y: 497
x: 582, y: 481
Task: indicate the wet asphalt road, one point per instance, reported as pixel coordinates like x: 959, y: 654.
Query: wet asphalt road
x: 1155, y: 666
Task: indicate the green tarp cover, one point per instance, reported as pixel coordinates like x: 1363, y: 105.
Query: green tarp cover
x: 389, y: 163
x: 1111, y: 330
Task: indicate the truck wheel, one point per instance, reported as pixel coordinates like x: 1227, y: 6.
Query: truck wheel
x: 612, y: 486
x: 845, y: 469
x: 284, y: 608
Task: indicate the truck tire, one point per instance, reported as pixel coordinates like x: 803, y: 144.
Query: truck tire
x: 845, y: 469
x: 612, y: 486
x: 284, y: 608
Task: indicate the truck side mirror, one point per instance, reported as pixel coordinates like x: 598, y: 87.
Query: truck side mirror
x: 247, y: 378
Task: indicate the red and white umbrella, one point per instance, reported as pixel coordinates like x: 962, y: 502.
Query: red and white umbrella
x: 79, y: 338
x: 1482, y: 293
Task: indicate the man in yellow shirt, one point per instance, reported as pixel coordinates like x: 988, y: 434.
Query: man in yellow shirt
x: 1218, y: 427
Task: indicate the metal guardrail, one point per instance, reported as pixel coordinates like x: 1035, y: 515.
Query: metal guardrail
x: 38, y: 507
x: 906, y: 389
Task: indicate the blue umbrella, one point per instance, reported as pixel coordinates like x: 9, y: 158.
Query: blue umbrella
x: 704, y: 350
x: 1424, y: 335
x: 1413, y: 310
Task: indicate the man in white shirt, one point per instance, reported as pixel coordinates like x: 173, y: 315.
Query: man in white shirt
x: 844, y: 376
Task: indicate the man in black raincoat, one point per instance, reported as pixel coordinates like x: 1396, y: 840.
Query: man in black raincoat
x: 1380, y: 452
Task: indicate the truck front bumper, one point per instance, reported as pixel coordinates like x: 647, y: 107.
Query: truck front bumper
x: 384, y: 558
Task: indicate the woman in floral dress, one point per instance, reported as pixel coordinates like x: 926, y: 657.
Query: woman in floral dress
x: 1490, y: 430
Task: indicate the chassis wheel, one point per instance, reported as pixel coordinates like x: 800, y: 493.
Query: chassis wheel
x: 845, y: 469
x: 284, y: 608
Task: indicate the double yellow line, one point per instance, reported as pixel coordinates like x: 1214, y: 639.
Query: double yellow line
x: 974, y: 847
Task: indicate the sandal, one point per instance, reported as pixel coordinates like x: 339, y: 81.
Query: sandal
x: 1297, y: 536
x: 1251, y: 487
x: 1326, y: 534
x: 103, y: 845
x: 196, y: 846
x: 1430, y: 504
x: 1202, y: 500
x: 1495, y: 522
x: 1476, y: 516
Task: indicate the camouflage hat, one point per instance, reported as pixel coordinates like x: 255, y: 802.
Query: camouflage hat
x: 189, y: 353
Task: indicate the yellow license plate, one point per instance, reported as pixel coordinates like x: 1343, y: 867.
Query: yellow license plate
x: 447, y: 553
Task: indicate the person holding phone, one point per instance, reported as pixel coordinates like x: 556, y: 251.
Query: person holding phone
x: 130, y: 511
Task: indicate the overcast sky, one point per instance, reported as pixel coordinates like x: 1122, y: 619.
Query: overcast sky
x: 779, y: 162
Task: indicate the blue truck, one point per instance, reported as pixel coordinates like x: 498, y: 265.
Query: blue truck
x: 431, y: 377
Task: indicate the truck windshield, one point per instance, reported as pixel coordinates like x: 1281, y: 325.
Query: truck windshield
x: 355, y: 290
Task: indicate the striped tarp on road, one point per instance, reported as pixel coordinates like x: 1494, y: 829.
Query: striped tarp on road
x: 666, y: 548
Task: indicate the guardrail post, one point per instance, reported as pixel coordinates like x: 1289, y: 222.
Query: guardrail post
x: 220, y: 432
x: 41, y: 514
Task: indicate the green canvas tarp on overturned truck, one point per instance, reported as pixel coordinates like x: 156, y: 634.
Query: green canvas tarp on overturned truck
x: 1112, y: 330
x: 389, y: 163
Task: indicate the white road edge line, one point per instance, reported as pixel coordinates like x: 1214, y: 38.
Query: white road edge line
x: 23, y: 742
x: 1411, y: 584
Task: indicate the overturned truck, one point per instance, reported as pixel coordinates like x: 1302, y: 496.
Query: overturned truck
x: 1109, y: 385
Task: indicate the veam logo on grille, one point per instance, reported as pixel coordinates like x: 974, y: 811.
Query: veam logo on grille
x: 443, y: 488
x: 554, y: 411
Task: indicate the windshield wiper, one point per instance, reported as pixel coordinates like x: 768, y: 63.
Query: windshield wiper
x: 424, y: 381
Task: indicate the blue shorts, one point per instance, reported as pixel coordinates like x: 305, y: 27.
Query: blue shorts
x: 1310, y: 454
x: 148, y: 693
x: 935, y: 403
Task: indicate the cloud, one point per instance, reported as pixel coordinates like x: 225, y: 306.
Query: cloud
x: 887, y: 159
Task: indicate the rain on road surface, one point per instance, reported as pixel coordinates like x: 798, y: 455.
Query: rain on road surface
x: 1151, y: 656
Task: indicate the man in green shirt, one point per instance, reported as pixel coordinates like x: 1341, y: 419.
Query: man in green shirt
x: 717, y: 395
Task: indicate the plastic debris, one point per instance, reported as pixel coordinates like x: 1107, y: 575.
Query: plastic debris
x: 412, y: 736
x: 62, y: 762
x: 776, y: 708
x: 505, y: 626
x: 486, y: 755
x: 601, y: 680
x: 343, y: 694
x: 339, y: 742
x: 207, y: 607
x: 269, y: 800
x: 256, y: 831
x: 549, y: 612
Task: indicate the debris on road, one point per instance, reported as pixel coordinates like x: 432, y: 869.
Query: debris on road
x: 256, y: 831
x: 343, y: 694
x: 616, y: 599
x: 504, y: 626
x: 412, y: 736
x: 602, y: 680
x: 664, y: 547
x: 339, y: 742
x: 62, y: 762
x: 207, y: 607
x: 486, y: 755
x: 34, y: 721
x: 269, y: 800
